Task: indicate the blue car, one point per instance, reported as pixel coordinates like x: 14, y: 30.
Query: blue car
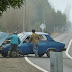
x: 45, y: 46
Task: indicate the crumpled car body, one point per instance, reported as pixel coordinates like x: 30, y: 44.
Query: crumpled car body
x: 45, y: 46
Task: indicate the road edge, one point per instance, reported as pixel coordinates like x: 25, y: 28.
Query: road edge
x: 36, y: 66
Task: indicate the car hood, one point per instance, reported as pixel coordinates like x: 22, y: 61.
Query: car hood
x: 3, y: 37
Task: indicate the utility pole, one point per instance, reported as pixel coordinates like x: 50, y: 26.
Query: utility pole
x: 24, y: 18
x: 43, y: 19
x: 43, y: 12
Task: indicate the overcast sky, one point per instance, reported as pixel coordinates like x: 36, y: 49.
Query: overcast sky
x: 62, y: 5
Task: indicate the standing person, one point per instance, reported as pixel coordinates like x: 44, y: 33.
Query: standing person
x: 34, y: 39
x: 14, y: 43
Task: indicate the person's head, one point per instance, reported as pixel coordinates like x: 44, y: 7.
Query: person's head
x: 33, y: 31
x: 15, y: 32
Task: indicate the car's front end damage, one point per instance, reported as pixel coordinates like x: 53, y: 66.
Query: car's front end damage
x: 3, y: 42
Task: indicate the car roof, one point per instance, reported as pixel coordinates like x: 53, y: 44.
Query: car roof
x: 23, y: 35
x: 29, y: 33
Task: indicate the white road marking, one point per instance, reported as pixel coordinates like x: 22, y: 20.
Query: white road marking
x: 35, y: 65
x: 68, y: 50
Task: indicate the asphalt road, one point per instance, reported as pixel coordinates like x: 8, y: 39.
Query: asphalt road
x: 20, y: 65
x: 44, y: 62
x: 16, y: 65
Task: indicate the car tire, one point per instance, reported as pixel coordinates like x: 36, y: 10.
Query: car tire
x: 13, y: 54
x: 48, y: 52
x: 4, y: 54
x: 40, y: 55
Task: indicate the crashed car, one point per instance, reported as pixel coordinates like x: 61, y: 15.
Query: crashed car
x: 45, y: 46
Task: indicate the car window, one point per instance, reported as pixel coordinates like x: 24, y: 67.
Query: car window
x: 22, y: 37
x: 49, y: 38
x: 26, y: 40
x: 42, y: 38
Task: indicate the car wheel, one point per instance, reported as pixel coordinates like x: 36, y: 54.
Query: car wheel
x: 4, y: 54
x: 40, y: 55
x: 13, y: 54
x: 48, y: 52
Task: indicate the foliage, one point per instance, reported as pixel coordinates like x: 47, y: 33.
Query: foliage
x: 4, y: 4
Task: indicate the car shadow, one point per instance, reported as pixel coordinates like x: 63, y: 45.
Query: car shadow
x: 22, y: 56
x: 36, y: 57
x: 13, y: 57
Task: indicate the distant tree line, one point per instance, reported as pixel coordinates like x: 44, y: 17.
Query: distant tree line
x: 42, y: 12
x: 37, y: 12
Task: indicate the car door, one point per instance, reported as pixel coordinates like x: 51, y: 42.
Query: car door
x: 26, y: 47
x: 43, y: 44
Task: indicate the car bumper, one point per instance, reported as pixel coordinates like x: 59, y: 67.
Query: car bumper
x: 63, y: 49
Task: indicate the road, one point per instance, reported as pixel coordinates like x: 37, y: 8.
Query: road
x: 44, y: 62
x: 20, y: 65
x: 16, y: 65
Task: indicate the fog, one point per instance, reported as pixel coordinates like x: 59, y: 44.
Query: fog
x: 36, y: 14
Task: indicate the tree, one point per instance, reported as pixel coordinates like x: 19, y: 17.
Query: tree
x: 4, y: 4
x: 37, y: 12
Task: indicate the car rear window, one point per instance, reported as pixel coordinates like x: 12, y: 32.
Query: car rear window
x: 42, y: 38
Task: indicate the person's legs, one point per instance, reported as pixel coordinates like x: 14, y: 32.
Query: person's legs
x: 16, y: 49
x: 35, y: 49
x: 10, y: 50
x: 13, y: 47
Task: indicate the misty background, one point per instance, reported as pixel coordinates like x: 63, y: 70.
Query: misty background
x: 31, y: 15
